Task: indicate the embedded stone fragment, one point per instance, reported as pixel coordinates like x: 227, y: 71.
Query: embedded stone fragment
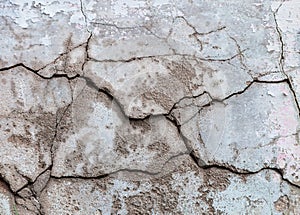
x: 96, y: 138
x: 187, y: 190
x: 254, y: 130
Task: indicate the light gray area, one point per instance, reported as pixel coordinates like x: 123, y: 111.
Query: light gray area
x: 149, y: 107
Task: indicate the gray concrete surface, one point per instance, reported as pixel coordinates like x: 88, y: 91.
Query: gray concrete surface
x: 149, y: 107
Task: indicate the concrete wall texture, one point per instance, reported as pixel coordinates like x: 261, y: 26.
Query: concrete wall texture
x: 149, y: 107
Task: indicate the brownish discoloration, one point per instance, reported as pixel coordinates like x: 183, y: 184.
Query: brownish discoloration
x: 116, y: 204
x: 183, y: 71
x: 158, y: 97
x: 161, y: 198
x: 121, y: 146
x: 142, y: 125
x: 282, y: 204
x: 13, y: 88
x: 159, y: 147
x: 3, y: 81
x: 140, y: 204
x: 216, y: 179
x: 19, y: 140
x: 44, y: 123
x: 31, y: 133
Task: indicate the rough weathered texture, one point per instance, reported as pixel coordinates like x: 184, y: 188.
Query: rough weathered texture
x: 149, y: 107
x: 151, y: 86
x: 35, y: 33
x: 250, y: 131
x: 187, y: 190
x: 95, y: 138
x: 28, y: 109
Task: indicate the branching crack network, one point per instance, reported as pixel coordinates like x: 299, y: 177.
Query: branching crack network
x: 90, y: 83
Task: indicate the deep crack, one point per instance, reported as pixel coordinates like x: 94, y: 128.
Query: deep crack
x: 282, y: 58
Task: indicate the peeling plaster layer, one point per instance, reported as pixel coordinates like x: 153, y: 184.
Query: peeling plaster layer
x: 35, y: 33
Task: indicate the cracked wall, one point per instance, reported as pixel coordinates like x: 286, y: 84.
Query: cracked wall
x: 149, y: 107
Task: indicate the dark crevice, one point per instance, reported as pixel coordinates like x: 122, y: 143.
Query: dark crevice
x: 175, y: 123
x: 87, y: 56
x: 36, y: 72
x: 249, y: 85
x: 6, y: 182
x: 30, y: 185
x: 194, y: 158
x: 217, y: 100
x: 294, y: 95
x: 282, y: 58
x: 195, y: 30
x: 128, y: 170
x: 80, y: 177
x: 84, y: 15
x: 232, y: 170
x: 17, y: 195
x: 173, y: 120
x: 68, y: 51
x: 193, y: 57
x: 247, y: 173
x: 57, y: 124
x: 90, y: 83
x: 187, y: 97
